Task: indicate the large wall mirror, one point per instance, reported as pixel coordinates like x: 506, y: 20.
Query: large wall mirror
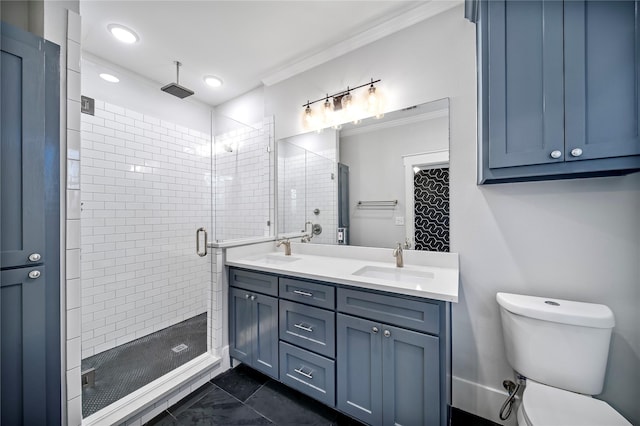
x: 376, y: 183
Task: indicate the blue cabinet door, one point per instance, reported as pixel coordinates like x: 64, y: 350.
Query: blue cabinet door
x: 265, y: 342
x: 23, y: 347
x: 602, y: 79
x: 525, y: 83
x: 359, y: 368
x: 410, y: 378
x: 22, y: 67
x: 241, y: 325
x: 253, y: 330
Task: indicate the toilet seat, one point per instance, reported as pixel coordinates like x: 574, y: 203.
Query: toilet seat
x: 544, y: 405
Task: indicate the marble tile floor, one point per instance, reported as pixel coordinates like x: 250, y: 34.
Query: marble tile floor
x: 243, y: 396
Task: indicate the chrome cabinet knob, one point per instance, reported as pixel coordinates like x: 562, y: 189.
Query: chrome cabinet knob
x: 387, y: 333
x: 34, y: 274
x: 34, y: 257
x: 556, y: 154
x: 246, y: 296
x: 576, y: 152
x: 253, y: 297
x: 374, y: 329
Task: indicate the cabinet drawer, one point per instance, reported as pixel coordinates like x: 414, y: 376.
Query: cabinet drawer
x: 422, y: 316
x: 254, y: 281
x: 308, y: 327
x: 320, y: 295
x: 311, y: 374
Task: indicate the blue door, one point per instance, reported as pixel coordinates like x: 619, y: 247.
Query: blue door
x: 30, y: 363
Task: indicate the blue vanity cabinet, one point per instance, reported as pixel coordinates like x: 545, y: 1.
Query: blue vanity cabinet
x: 379, y: 357
x: 253, y: 329
x: 559, y: 89
x: 389, y: 374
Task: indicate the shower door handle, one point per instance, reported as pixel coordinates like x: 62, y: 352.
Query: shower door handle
x: 203, y: 253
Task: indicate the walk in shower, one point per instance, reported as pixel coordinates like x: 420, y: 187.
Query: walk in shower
x: 307, y: 188
x: 149, y: 301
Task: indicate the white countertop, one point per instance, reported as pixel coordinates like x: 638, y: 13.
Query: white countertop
x: 337, y: 264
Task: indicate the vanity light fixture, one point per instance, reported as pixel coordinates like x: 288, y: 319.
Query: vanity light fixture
x: 342, y: 107
x: 213, y: 81
x: 109, y: 77
x: 308, y: 116
x: 123, y: 34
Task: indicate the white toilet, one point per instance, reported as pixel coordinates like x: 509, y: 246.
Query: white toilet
x: 561, y: 347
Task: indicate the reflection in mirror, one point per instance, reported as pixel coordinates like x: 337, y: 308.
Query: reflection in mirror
x: 376, y: 183
x: 307, y: 186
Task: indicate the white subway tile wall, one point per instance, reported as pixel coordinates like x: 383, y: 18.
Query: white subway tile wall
x: 243, y: 182
x: 307, y: 182
x: 291, y: 189
x: 322, y: 178
x: 146, y: 188
x: 70, y: 74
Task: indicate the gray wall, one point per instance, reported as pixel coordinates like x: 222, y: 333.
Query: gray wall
x: 376, y: 172
x: 576, y: 239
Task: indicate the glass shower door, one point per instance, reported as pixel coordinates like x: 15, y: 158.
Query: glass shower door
x: 146, y: 294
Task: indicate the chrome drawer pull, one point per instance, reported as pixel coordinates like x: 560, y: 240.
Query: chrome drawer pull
x: 301, y: 326
x: 301, y: 372
x: 303, y: 293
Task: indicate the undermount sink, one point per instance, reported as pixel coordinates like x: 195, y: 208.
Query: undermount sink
x: 394, y: 274
x: 273, y: 259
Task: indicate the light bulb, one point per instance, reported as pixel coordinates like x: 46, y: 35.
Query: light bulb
x: 213, y: 81
x: 308, y: 114
x: 308, y: 119
x: 372, y: 99
x: 123, y: 34
x: 110, y: 78
x: 347, y: 102
x: 328, y: 111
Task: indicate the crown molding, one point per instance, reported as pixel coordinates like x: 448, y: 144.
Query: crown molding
x: 404, y: 20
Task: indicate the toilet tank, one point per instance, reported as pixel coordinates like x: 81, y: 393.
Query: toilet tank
x: 560, y: 343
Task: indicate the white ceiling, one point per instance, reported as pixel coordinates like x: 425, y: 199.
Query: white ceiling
x: 246, y: 43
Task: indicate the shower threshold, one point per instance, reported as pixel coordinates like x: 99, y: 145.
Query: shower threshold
x: 126, y: 368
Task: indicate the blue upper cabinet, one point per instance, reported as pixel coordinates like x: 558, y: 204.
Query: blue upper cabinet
x: 602, y: 60
x: 525, y: 82
x: 559, y: 89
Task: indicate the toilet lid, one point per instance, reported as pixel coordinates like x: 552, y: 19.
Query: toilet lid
x: 549, y: 406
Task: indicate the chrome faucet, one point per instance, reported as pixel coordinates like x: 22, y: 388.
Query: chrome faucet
x: 287, y: 246
x: 307, y: 235
x: 397, y: 253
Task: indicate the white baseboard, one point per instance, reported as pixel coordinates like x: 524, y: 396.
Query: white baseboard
x: 481, y: 400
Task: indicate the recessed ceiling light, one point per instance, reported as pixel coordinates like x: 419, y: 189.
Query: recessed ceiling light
x: 110, y: 78
x: 122, y: 33
x: 213, y: 81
